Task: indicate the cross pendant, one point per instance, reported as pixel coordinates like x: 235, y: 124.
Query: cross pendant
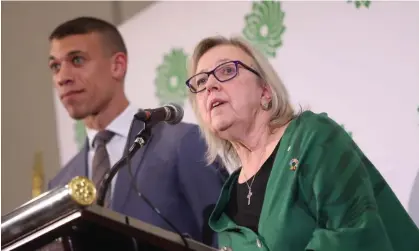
x: 248, y: 197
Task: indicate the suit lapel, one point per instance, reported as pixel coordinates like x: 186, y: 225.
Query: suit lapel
x: 124, y: 179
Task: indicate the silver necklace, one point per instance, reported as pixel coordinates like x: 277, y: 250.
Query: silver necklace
x: 249, y: 194
x: 249, y: 187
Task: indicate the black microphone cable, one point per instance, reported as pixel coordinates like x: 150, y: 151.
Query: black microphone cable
x: 134, y: 186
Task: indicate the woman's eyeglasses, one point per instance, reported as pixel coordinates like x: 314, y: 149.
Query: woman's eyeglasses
x: 224, y: 72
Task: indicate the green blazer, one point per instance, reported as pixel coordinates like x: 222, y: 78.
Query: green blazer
x: 323, y: 194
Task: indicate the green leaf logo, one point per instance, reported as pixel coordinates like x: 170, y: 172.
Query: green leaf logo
x: 80, y: 133
x: 171, y: 77
x: 265, y: 26
x: 349, y: 132
x: 360, y: 3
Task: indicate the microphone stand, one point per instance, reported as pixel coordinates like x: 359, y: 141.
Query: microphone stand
x: 140, y: 140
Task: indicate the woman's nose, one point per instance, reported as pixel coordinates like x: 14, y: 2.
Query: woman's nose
x: 213, y: 84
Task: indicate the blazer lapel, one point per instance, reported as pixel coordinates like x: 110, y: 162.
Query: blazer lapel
x: 124, y: 178
x: 80, y: 165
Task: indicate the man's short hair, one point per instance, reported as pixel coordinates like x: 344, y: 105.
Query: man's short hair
x: 86, y: 25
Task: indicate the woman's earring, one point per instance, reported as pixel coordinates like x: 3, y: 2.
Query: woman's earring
x: 265, y: 105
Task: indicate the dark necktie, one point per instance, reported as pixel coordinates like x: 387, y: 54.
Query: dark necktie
x: 101, y: 162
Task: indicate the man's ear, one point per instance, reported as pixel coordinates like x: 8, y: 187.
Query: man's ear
x: 119, y: 65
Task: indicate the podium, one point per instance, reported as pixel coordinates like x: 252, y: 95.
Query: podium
x: 67, y: 219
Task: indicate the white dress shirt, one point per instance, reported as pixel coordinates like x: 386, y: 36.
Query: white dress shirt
x: 115, y: 147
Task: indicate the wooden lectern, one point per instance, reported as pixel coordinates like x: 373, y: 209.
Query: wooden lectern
x: 67, y: 219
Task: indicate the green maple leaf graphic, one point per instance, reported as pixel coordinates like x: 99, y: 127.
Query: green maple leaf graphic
x: 265, y: 27
x: 170, y: 78
x: 360, y: 3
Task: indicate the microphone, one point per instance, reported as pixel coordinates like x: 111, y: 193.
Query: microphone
x: 170, y: 113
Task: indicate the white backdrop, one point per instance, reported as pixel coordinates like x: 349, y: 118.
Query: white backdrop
x: 360, y: 65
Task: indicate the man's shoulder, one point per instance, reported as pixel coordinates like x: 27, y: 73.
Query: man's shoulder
x: 184, y: 125
x: 179, y: 130
x: 182, y: 137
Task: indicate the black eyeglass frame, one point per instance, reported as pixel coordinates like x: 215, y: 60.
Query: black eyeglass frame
x: 209, y: 73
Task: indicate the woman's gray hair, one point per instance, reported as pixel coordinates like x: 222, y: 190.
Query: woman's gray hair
x: 281, y: 108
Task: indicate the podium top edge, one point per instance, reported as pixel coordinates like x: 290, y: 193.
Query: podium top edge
x: 146, y: 227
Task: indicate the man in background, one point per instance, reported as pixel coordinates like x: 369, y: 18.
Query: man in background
x: 88, y: 61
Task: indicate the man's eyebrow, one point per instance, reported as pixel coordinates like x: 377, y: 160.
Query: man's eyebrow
x: 217, y: 63
x: 71, y: 53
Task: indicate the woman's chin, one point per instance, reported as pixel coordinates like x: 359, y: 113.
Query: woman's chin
x: 220, y: 125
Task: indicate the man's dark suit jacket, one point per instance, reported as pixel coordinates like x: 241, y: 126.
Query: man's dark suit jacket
x: 170, y: 170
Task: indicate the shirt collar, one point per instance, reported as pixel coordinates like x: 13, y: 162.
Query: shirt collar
x: 120, y: 125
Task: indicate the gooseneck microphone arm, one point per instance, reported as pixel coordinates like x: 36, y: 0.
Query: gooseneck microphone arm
x: 140, y: 140
x: 172, y: 114
x: 149, y: 118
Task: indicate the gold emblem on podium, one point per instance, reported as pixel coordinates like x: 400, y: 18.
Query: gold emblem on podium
x: 82, y: 190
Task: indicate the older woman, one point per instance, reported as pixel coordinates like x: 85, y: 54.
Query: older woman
x: 301, y: 182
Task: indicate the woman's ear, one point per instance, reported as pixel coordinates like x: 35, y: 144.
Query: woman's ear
x: 266, y: 92
x: 119, y: 65
x: 266, y: 97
